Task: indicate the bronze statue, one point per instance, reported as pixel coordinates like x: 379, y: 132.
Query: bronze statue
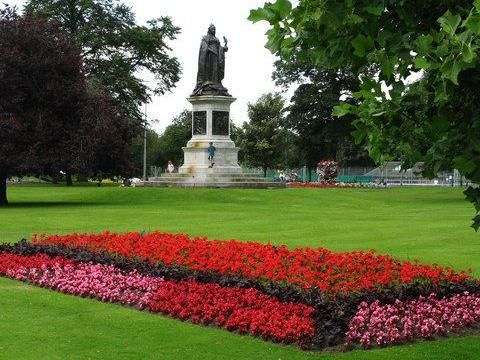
x: 211, y: 65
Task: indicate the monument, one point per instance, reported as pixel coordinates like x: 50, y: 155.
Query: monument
x: 211, y: 125
x: 211, y: 113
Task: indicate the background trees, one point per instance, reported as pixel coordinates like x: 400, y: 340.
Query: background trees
x: 385, y: 44
x: 264, y: 141
x: 175, y: 137
x: 115, y: 49
x: 166, y: 146
x: 321, y: 135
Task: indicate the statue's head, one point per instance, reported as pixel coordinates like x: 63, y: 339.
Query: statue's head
x: 212, y: 30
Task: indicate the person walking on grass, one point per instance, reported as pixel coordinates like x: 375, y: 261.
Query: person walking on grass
x: 211, y: 154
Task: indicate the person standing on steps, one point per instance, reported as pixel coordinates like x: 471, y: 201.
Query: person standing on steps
x: 211, y: 154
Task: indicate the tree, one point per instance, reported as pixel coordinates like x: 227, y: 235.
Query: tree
x: 115, y: 49
x: 50, y: 120
x: 154, y: 151
x: 237, y: 134
x: 103, y: 138
x: 263, y: 138
x: 385, y: 43
x: 175, y: 137
x: 321, y: 135
x: 42, y: 84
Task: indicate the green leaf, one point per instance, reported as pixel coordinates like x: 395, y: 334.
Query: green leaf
x: 362, y: 44
x: 358, y: 136
x: 274, y: 39
x: 261, y: 14
x: 464, y: 164
x: 476, y: 222
x: 476, y: 3
x: 387, y: 66
x: 450, y: 22
x: 472, y: 194
x: 375, y: 10
x: 341, y: 110
x: 450, y: 69
x: 353, y: 19
x: 282, y: 8
x: 468, y: 55
x: 421, y: 63
x: 441, y: 93
x: 423, y: 44
x: 473, y: 23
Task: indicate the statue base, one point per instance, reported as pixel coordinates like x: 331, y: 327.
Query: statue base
x: 211, y: 123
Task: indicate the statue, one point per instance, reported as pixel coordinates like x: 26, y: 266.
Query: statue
x: 211, y: 66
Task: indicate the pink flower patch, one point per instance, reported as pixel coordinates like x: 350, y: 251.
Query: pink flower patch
x: 382, y: 324
x: 103, y: 282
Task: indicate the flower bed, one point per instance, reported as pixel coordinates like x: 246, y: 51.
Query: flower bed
x: 312, y: 297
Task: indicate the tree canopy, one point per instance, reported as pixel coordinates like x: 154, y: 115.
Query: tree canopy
x: 41, y: 77
x: 264, y: 142
x: 50, y: 121
x: 388, y: 43
x: 115, y: 49
x: 321, y: 135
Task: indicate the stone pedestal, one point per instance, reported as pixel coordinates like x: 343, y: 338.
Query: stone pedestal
x: 210, y: 123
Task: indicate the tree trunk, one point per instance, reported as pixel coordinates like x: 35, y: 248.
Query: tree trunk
x: 3, y: 190
x: 265, y: 172
x: 68, y: 177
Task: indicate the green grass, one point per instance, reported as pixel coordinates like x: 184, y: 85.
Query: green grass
x: 431, y: 224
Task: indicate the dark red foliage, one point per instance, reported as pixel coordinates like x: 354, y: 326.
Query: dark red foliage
x: 308, y: 268
x: 50, y: 120
x: 41, y: 83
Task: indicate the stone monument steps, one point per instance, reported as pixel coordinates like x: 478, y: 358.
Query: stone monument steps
x: 170, y: 177
x: 219, y: 184
x: 210, y: 178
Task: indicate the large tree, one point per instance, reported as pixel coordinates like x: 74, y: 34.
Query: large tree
x: 321, y: 135
x: 115, y: 49
x: 264, y: 141
x: 437, y: 41
x: 50, y: 120
x: 42, y: 84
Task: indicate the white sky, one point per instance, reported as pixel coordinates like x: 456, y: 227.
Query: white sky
x: 248, y: 66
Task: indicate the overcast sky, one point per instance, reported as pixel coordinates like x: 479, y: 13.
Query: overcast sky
x: 248, y: 65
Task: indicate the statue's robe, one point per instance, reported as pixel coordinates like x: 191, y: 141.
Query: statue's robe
x: 211, y: 67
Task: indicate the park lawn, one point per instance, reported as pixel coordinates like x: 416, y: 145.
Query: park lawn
x: 431, y: 224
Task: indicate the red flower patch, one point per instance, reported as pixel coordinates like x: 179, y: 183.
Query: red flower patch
x: 333, y: 272
x: 241, y: 310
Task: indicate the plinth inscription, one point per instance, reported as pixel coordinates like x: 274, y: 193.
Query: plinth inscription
x: 220, y: 122
x: 199, y: 123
